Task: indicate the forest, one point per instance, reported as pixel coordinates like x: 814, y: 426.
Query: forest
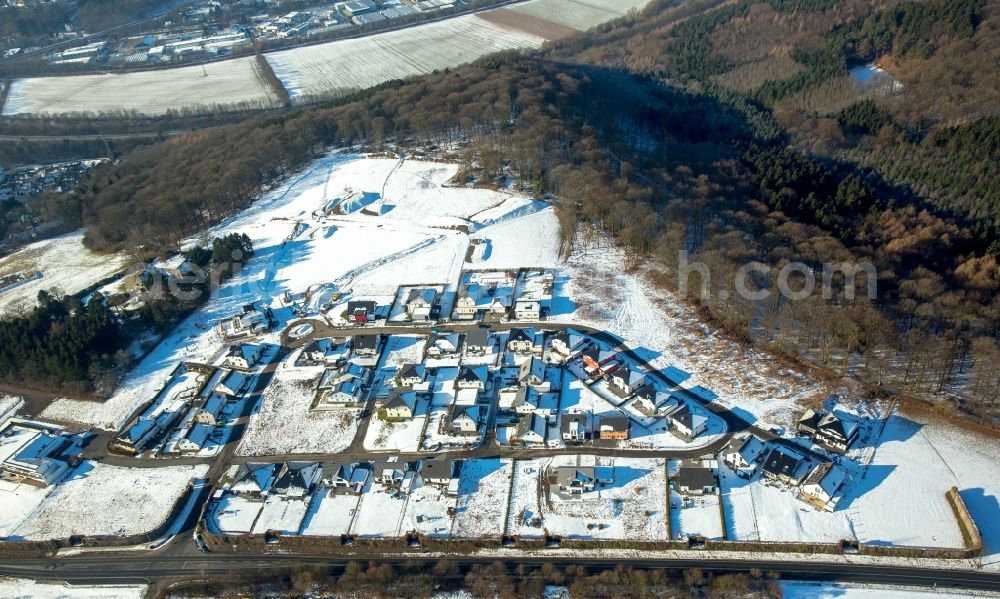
x: 688, y: 128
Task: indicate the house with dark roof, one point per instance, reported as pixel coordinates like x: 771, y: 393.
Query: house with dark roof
x: 361, y: 311
x: 696, y: 480
x: 242, y: 356
x: 366, y: 345
x: 573, y: 427
x: 688, y: 422
x: 471, y: 377
x: 614, y: 427
x: 465, y: 419
x: 254, y: 480
x: 831, y: 430
x: 411, y: 374
x: 822, y: 486
x: 783, y: 466
x: 477, y: 342
x: 521, y: 341
x: 296, y: 480
x: 744, y: 454
x: 532, y: 373
x: 399, y: 405
x: 531, y: 430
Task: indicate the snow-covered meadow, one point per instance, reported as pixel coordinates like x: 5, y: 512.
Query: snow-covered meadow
x: 153, y: 92
x: 578, y: 14
x: 66, y: 267
x: 100, y: 499
x: 24, y: 588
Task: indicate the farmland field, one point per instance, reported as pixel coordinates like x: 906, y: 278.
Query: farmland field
x: 343, y: 66
x: 230, y: 82
x: 578, y: 14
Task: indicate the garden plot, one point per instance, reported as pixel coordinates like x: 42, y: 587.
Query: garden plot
x: 482, y: 498
x: 427, y: 512
x: 99, y: 499
x: 340, y: 67
x: 398, y: 436
x: 578, y: 14
x: 281, y: 515
x: 155, y: 92
x: 283, y: 423
x: 633, y: 507
x: 330, y: 515
x: 234, y: 514
x: 18, y: 501
x: 698, y: 515
x: 380, y: 513
x: 65, y: 267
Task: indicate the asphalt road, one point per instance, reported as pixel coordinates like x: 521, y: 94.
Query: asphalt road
x: 125, y: 569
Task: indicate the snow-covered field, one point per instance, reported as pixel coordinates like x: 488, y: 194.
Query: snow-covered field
x: 398, y: 436
x: 339, y: 67
x: 9, y: 405
x: 330, y: 515
x: 24, y: 588
x: 66, y: 266
x: 578, y: 14
x: 283, y: 423
x: 836, y: 590
x: 700, y: 515
x: 633, y: 507
x: 154, y: 92
x: 482, y: 498
x: 99, y: 499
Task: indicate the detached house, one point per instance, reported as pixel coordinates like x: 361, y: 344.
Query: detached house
x: 614, y: 427
x: 626, y: 380
x: 573, y: 428
x: 526, y: 400
x: 531, y: 430
x: 253, y: 480
x: 696, y: 480
x: 822, y: 486
x: 400, y: 405
x: 564, y: 343
x: 420, y: 302
x: 687, y: 422
x: 444, y: 474
x: 296, y: 480
x: 233, y: 384
x: 242, y: 356
x: 477, y: 342
x: 465, y: 420
x: 742, y: 455
x: 471, y: 377
x: 833, y: 431
x: 361, y: 311
x: 783, y: 467
x: 411, y: 374
x: 532, y: 373
x: 366, y: 346
x: 521, y: 341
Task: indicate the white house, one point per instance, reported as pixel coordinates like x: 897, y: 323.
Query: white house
x: 471, y: 377
x: 743, y: 454
x: 688, y: 422
x: 531, y: 430
x: 465, y: 419
x: 574, y: 427
x: 521, y: 341
x: 627, y: 380
x: 411, y: 374
x: 400, y: 404
x: 564, y: 343
x: 822, y: 486
x: 243, y: 356
x: 420, y: 302
x: 526, y: 400
x: 696, y: 480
